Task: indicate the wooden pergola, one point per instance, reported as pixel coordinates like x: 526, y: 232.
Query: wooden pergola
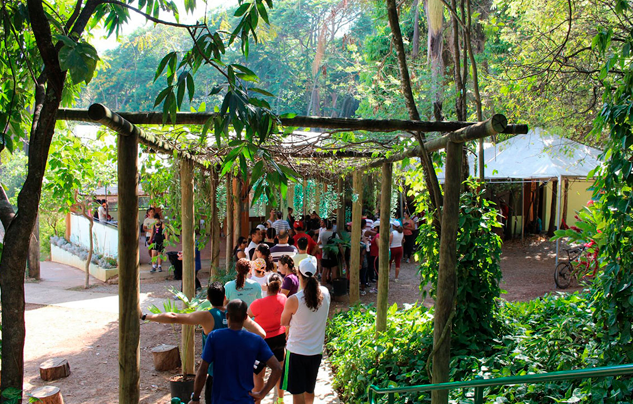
x: 129, y: 135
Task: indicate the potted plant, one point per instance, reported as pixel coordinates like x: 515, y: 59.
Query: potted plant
x: 181, y: 385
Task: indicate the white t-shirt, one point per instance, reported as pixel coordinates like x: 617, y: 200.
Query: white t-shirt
x: 397, y: 239
x: 307, y: 327
x: 103, y: 214
x: 263, y: 280
x: 249, y: 255
x: 149, y: 223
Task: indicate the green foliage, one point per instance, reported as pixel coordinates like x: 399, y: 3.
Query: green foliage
x: 12, y: 173
x: 613, y: 289
x: 197, y: 303
x: 478, y: 270
x: 223, y: 276
x: 553, y: 333
x: 12, y: 395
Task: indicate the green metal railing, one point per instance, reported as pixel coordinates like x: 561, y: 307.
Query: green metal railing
x: 479, y: 383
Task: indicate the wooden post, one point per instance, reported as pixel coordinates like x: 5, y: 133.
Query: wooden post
x: 317, y: 197
x: 340, y: 207
x: 215, y: 224
x: 129, y: 309
x: 237, y: 209
x: 357, y: 214
x: 305, y: 195
x: 447, y: 276
x: 383, y: 252
x: 228, y: 232
x: 291, y: 197
x: 188, y: 253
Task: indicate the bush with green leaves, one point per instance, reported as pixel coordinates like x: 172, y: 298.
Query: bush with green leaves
x: 478, y: 271
x: 553, y: 333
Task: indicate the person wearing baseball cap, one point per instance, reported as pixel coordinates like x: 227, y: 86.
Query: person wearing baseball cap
x: 306, y: 312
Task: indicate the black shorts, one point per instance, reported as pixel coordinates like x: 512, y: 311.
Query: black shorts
x: 159, y: 247
x: 276, y: 344
x: 300, y: 373
x: 329, y: 262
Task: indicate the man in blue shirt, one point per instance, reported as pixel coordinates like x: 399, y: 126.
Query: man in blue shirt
x: 233, y: 352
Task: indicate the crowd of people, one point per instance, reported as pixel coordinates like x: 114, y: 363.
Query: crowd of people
x: 273, y: 314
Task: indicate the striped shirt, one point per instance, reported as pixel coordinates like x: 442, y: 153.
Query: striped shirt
x: 280, y: 225
x: 282, y: 249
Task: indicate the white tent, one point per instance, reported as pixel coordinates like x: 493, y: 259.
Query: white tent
x: 536, y: 155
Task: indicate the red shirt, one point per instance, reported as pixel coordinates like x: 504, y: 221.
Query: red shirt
x: 311, y: 242
x: 373, y: 249
x: 267, y: 313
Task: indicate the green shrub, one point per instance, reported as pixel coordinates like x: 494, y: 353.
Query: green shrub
x: 553, y: 333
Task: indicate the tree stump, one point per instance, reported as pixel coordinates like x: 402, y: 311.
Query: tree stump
x: 166, y: 357
x: 48, y: 395
x: 54, y: 368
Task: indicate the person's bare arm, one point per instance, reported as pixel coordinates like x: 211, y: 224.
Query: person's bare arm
x: 251, y: 326
x: 275, y: 374
x: 198, y: 383
x: 292, y: 304
x: 204, y: 318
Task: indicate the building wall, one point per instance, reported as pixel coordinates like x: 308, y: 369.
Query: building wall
x: 577, y: 197
x: 105, y: 237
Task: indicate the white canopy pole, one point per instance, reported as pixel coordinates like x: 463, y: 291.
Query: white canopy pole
x: 560, y: 192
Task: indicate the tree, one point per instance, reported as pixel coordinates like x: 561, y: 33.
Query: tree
x: 44, y: 57
x: 75, y: 171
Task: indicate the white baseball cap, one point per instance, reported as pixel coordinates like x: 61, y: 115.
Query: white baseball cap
x: 261, y: 227
x: 308, y: 266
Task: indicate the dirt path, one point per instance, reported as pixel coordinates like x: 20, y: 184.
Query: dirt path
x: 87, y: 333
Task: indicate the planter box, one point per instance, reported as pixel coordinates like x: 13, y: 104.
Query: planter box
x: 64, y: 257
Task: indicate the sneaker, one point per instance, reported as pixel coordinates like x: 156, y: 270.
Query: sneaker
x: 408, y: 261
x: 395, y: 280
x: 373, y: 290
x: 363, y: 293
x: 160, y: 269
x: 152, y: 270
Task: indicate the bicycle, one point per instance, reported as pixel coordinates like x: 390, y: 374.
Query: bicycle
x: 566, y: 272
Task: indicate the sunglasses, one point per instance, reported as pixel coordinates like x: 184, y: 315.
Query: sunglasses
x: 260, y: 272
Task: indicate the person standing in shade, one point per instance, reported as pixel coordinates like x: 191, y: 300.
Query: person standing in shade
x: 312, y: 245
x: 271, y: 218
x: 306, y: 313
x: 302, y: 246
x: 103, y: 211
x: 408, y: 227
x: 271, y: 234
x: 280, y: 224
x: 290, y: 285
x: 210, y: 320
x: 256, y: 238
x: 243, y: 288
x: 233, y: 351
x: 395, y: 246
x: 291, y: 218
x: 157, y: 241
x: 283, y: 248
x: 267, y: 313
x: 148, y: 223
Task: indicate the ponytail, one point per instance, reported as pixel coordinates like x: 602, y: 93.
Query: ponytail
x: 312, y: 292
x: 274, y: 284
x: 264, y: 250
x: 242, y: 267
x: 287, y: 260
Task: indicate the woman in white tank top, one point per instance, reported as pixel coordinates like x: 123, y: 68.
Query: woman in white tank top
x: 396, y: 238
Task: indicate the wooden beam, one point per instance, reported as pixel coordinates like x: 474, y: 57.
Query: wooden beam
x: 188, y: 254
x: 371, y: 125
x: 447, y: 276
x: 497, y: 124
x: 383, y: 251
x: 100, y: 114
x: 354, y: 261
x: 129, y: 293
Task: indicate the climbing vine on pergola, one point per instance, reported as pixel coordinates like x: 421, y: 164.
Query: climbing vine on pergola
x: 287, y: 155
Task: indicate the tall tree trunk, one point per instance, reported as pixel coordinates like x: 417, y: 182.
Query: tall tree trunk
x: 435, y: 17
x: 228, y: 232
x: 188, y: 255
x: 415, y: 52
x: 215, y: 224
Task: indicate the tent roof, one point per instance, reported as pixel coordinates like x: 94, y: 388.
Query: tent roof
x: 536, y: 155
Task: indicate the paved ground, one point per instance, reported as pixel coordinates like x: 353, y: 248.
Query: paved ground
x: 63, y: 319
